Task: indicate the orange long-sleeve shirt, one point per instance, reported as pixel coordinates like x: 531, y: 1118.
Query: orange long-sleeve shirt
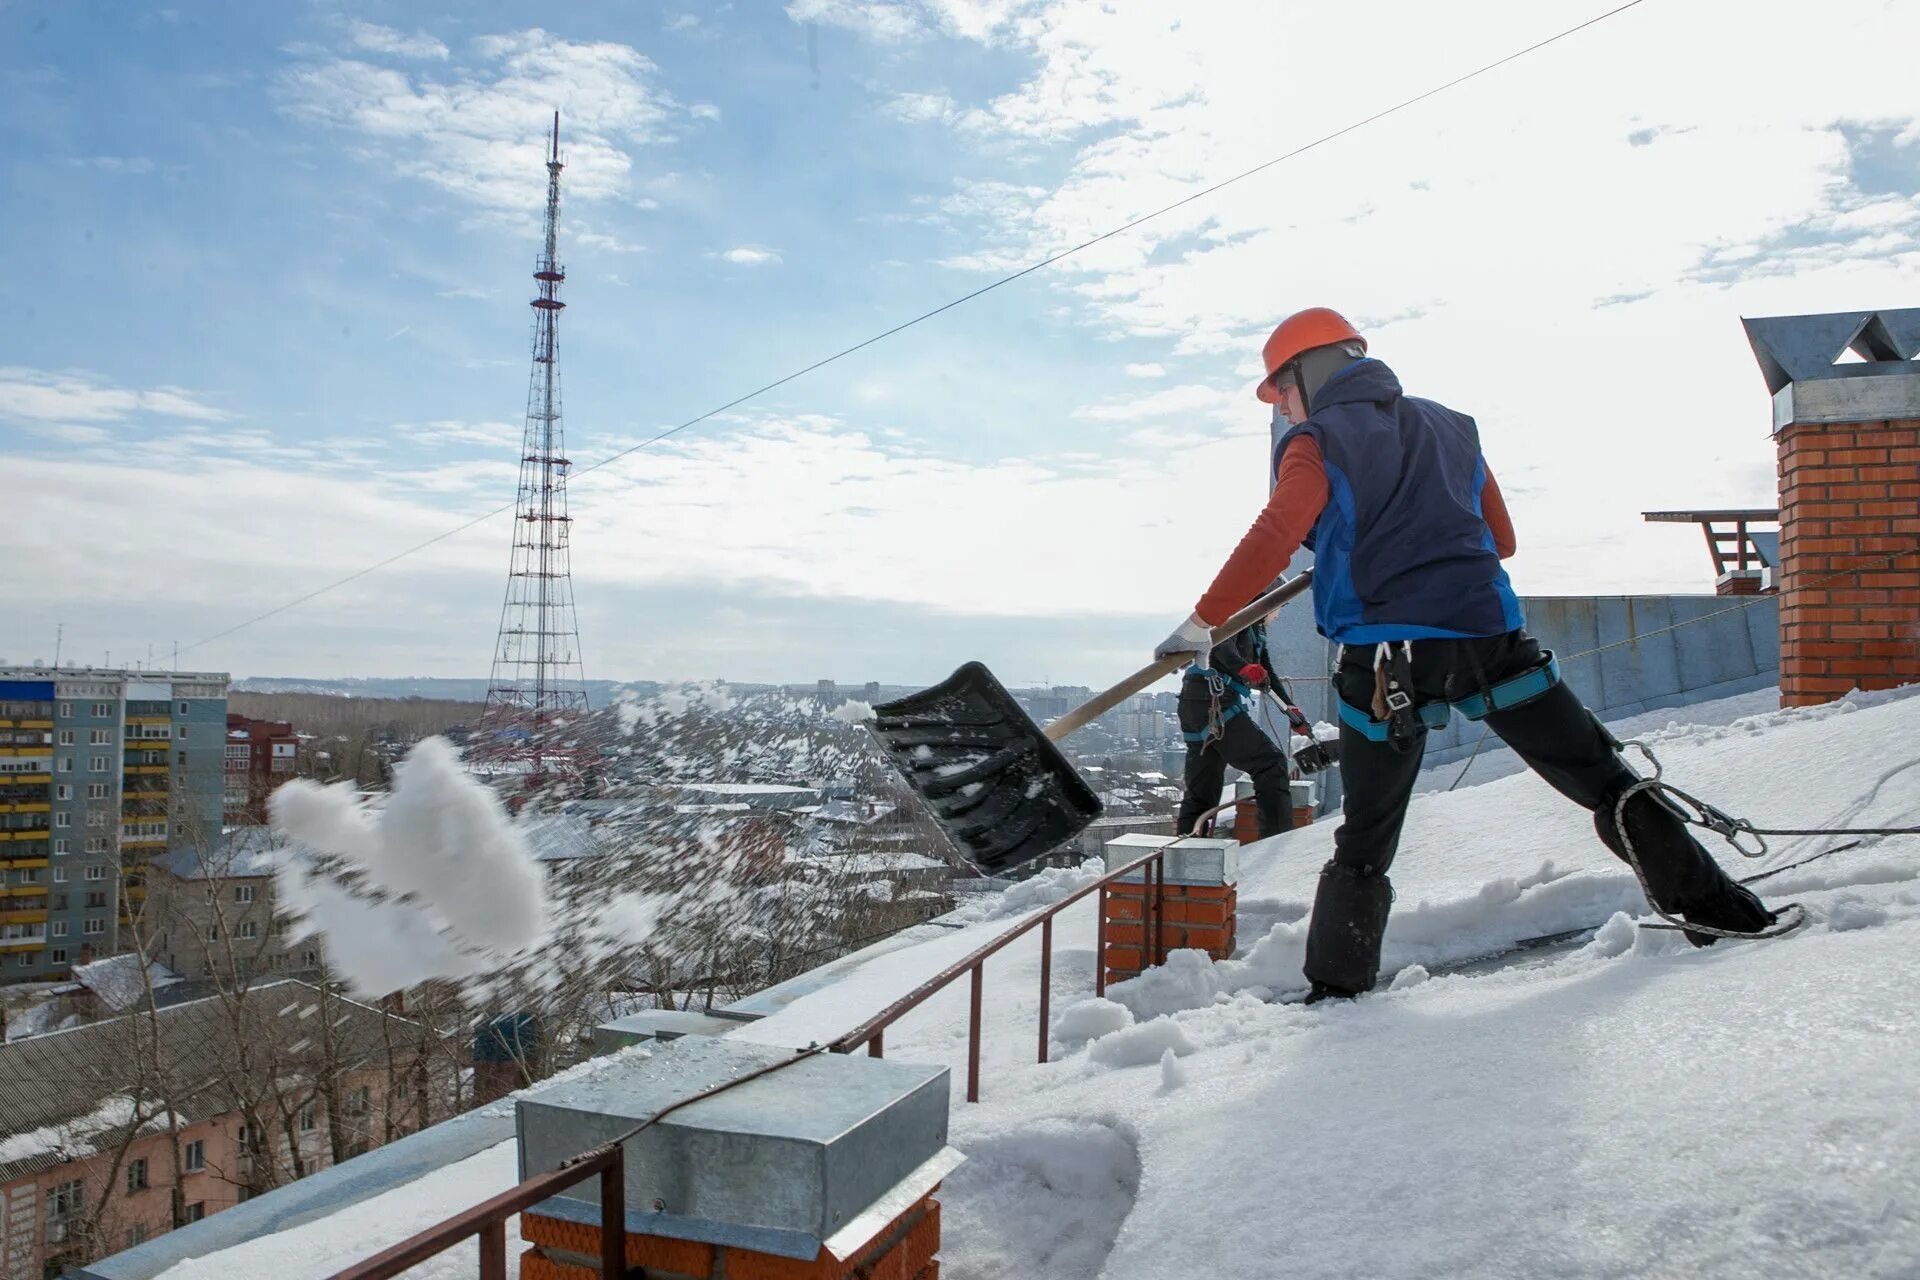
x: 1299, y: 495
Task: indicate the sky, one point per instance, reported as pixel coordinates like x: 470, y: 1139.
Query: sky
x: 264, y: 275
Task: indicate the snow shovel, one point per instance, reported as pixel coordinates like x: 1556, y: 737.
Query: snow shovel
x: 992, y: 779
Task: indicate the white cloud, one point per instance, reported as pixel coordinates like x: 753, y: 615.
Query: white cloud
x: 37, y: 396
x: 1502, y: 259
x: 481, y: 131
x: 612, y: 244
x: 870, y: 18
x: 378, y: 39
x: 1148, y: 370
x: 703, y: 111
x: 502, y: 435
x: 682, y: 22
x: 1190, y: 400
x: 117, y: 164
x: 920, y: 108
x: 748, y: 255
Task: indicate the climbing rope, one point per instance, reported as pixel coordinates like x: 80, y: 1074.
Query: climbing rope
x: 1697, y: 812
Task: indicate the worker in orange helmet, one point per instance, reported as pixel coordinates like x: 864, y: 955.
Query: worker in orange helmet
x: 1408, y: 530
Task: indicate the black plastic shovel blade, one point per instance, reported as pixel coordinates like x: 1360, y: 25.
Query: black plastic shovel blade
x: 1002, y: 793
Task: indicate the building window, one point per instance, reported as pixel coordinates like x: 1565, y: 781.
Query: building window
x: 97, y: 899
x: 66, y: 737
x: 183, y: 711
x: 97, y: 818
x: 58, y: 929
x: 248, y: 929
x: 66, y: 764
x: 310, y: 959
x: 59, y: 902
x: 96, y: 872
x: 59, y: 875
x: 243, y: 893
x: 402, y: 1090
x: 26, y: 960
x: 213, y: 933
x: 100, y: 737
x: 96, y: 844
x: 98, y: 790
x: 182, y: 759
x: 66, y: 711
x: 63, y: 845
x: 58, y: 955
x: 101, y: 710
x: 196, y: 1211
x: 136, y: 1234
x: 62, y: 820
x: 93, y: 928
x: 99, y: 764
x: 63, y: 1205
x: 136, y: 1175
x: 63, y: 792
x: 29, y: 875
x: 307, y: 1119
x: 242, y: 1136
x: 359, y: 1101
x: 196, y: 1156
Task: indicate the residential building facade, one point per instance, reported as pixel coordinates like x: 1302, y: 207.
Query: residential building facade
x: 260, y: 756
x: 100, y: 771
x: 105, y: 1121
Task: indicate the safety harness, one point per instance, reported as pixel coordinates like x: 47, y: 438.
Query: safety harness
x: 1219, y: 710
x: 1397, y: 719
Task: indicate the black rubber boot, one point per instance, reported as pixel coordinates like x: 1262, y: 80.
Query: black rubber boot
x: 1343, y: 939
x: 1682, y: 879
x: 1321, y: 991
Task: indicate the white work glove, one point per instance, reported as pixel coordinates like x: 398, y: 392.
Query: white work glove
x: 1192, y: 636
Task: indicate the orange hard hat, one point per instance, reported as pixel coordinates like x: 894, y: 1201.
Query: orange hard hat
x: 1302, y: 331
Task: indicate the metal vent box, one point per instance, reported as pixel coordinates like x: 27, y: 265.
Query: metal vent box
x: 1192, y: 860
x: 780, y: 1164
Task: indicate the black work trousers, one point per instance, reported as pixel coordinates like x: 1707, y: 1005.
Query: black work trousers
x: 1241, y: 743
x: 1555, y: 735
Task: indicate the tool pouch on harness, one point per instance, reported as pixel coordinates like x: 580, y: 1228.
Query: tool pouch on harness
x: 1393, y: 696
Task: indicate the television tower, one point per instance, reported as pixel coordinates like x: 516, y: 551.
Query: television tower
x: 537, y: 693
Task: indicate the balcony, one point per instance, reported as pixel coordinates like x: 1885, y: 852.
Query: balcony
x: 25, y: 806
x: 30, y: 942
x: 26, y: 915
x: 147, y: 770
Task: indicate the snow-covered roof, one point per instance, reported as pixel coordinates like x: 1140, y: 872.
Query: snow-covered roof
x: 61, y: 1087
x: 1552, y: 1116
x: 116, y: 982
x: 854, y: 812
x: 243, y: 852
x: 870, y: 864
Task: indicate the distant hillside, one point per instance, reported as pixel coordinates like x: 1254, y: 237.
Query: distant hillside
x: 331, y: 714
x: 599, y: 692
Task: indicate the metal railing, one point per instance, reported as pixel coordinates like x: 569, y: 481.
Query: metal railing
x: 872, y: 1032
x: 488, y: 1221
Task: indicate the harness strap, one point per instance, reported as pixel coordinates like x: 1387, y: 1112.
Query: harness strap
x: 1514, y: 691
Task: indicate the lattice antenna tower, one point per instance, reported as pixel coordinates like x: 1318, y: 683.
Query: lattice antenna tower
x: 537, y: 693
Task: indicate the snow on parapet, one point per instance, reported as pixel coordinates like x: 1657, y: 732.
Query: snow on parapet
x: 447, y: 885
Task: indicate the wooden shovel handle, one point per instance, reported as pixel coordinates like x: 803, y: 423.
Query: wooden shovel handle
x: 1101, y: 703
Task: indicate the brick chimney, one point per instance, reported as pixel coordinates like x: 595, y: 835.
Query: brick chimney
x: 1846, y: 419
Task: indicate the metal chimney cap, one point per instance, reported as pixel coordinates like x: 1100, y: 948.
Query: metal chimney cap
x: 1803, y: 348
x: 1797, y: 355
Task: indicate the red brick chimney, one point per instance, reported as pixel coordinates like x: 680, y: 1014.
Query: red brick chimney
x: 1846, y: 418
